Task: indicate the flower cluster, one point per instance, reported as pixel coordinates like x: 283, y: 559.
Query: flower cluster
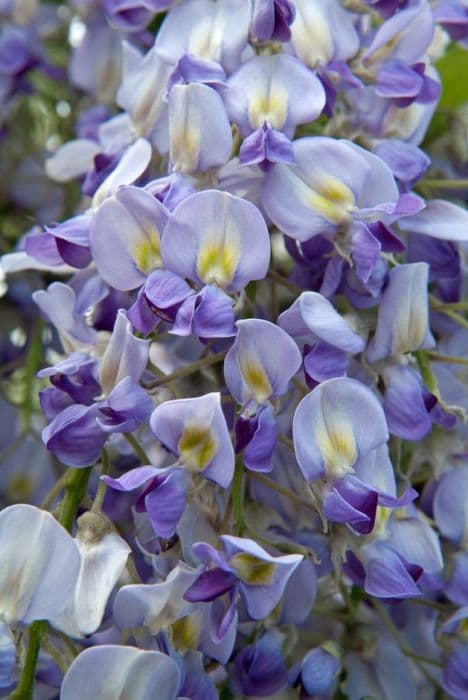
x: 233, y: 432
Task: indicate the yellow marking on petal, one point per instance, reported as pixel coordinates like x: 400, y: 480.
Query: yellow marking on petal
x: 271, y: 108
x: 253, y: 570
x: 185, y: 633
x: 338, y: 448
x: 311, y: 36
x: 382, y: 516
x: 331, y: 198
x: 217, y: 262
x: 256, y: 378
x: 409, y: 335
x: 147, y: 253
x: 197, y: 446
x: 463, y: 630
x: 185, y: 149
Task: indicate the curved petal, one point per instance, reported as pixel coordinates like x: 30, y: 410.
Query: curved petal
x: 339, y: 422
x: 261, y: 362
x: 119, y: 672
x: 215, y: 238
x: 312, y: 314
x: 200, y: 134
x: 125, y: 237
x: 40, y: 565
x: 195, y: 429
x: 276, y: 89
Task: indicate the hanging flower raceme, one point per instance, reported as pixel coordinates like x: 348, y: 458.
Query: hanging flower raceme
x: 248, y: 261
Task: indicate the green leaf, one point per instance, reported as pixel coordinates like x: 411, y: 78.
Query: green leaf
x: 452, y: 68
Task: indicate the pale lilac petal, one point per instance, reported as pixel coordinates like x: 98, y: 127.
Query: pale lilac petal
x: 165, y: 503
x: 278, y: 90
x: 118, y: 671
x: 127, y: 406
x: 208, y: 314
x: 134, y: 478
x: 261, y: 362
x: 141, y: 94
x: 261, y: 599
x: 216, y: 31
x: 155, y: 606
x: 125, y: 355
x: 323, y: 31
x: 102, y: 562
x: 75, y: 436
x: 408, y: 33
x: 339, y: 422
x: 259, y: 451
x: 323, y: 361
x: 451, y: 505
x: 132, y: 164
x: 387, y: 577
x: 404, y: 406
x: 215, y: 238
x: 314, y: 317
x: 72, y: 159
x: 331, y: 180
x: 199, y: 424
x: 200, y: 135
x: 125, y: 237
x: 403, y: 321
x: 40, y: 565
x: 58, y: 303
x: 439, y: 219
x: 416, y: 542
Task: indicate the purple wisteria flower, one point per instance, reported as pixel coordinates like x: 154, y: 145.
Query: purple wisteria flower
x: 233, y: 307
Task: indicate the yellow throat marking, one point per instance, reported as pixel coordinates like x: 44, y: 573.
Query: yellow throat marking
x: 197, y: 446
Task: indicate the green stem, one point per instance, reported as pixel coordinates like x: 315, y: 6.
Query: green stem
x: 55, y: 490
x: 282, y: 490
x: 137, y: 448
x: 187, y: 370
x: 24, y: 689
x: 102, y: 487
x: 426, y: 372
x: 445, y: 184
x: 238, y: 497
x: 33, y: 361
x: 454, y: 305
x: 276, y: 277
x: 75, y: 491
x: 437, y: 357
x: 447, y: 309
